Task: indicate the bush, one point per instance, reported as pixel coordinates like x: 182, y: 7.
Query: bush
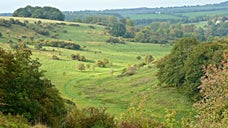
x: 0, y: 34
x: 128, y: 71
x: 78, y: 57
x: 61, y: 44
x: 81, y: 67
x: 149, y: 59
x: 54, y: 57
x: 102, y: 63
x: 10, y: 121
x: 89, y: 118
x: 92, y: 27
x: 213, y: 108
x: 115, y: 40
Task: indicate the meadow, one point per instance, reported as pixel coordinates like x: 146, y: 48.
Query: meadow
x: 103, y: 87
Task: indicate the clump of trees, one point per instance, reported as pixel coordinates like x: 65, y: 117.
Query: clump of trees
x: 39, y: 12
x: 115, y: 40
x: 102, y: 63
x: 61, y: 44
x: 24, y: 90
x: 182, y: 68
x: 78, y: 57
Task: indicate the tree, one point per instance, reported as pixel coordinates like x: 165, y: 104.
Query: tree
x: 118, y: 29
x: 39, y: 12
x: 25, y: 91
x: 171, y: 66
x: 182, y: 68
x: 202, y: 55
x: 213, y: 108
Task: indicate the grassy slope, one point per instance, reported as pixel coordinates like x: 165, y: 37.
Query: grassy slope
x: 97, y: 87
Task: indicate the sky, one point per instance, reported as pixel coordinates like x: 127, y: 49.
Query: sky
x: 75, y: 5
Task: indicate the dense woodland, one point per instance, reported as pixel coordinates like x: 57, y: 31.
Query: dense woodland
x: 39, y: 12
x: 196, y: 67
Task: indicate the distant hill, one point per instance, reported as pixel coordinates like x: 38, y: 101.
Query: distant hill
x: 6, y: 14
x: 183, y: 14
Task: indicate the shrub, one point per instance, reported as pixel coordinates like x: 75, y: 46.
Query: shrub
x: 149, y: 59
x: 213, y: 108
x: 115, y: 40
x: 89, y: 118
x: 134, y: 118
x: 54, y: 57
x: 92, y: 27
x: 100, y: 63
x: 0, y: 34
x: 78, y: 57
x: 128, y: 71
x: 10, y: 121
x: 138, y: 57
x: 81, y: 67
x: 61, y: 44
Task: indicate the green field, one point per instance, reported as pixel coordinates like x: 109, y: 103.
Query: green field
x: 153, y: 16
x: 206, y: 13
x: 97, y: 86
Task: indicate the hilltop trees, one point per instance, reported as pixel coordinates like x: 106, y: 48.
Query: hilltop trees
x: 39, y: 12
x: 25, y: 91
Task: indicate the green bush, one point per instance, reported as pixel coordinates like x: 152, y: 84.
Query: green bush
x: 89, y: 118
x: 115, y: 40
x: 9, y: 121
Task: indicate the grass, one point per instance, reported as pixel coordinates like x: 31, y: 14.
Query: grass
x: 206, y: 13
x: 152, y: 16
x: 97, y: 87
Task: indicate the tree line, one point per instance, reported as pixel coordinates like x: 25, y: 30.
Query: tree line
x: 39, y: 12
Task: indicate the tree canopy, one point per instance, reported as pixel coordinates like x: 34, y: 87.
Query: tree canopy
x: 25, y: 91
x: 182, y: 68
x: 39, y: 12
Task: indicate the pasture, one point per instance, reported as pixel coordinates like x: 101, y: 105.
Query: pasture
x: 104, y: 87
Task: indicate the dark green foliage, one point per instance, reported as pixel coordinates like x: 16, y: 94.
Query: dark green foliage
x: 5, y: 23
x: 118, y: 29
x: 89, y: 118
x: 171, y: 66
x: 102, y: 63
x: 202, y: 55
x: 0, y: 34
x: 25, y: 91
x: 39, y: 12
x: 78, y: 57
x: 182, y: 68
x: 115, y: 40
x: 61, y: 44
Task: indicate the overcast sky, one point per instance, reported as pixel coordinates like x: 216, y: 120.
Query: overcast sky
x: 74, y: 5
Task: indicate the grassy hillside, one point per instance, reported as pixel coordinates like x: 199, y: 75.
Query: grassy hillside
x: 98, y: 86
